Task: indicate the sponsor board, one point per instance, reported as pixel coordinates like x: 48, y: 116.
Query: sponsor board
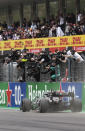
x: 83, y: 96
x: 17, y: 93
x: 39, y: 43
x: 3, y: 94
x: 73, y: 87
x: 38, y: 89
x: 11, y: 94
x: 79, y: 48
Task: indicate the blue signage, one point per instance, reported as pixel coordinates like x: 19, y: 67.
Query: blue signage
x: 73, y: 87
x: 18, y: 93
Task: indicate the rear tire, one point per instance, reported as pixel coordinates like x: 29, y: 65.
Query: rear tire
x: 44, y: 104
x: 76, y: 105
x: 26, y: 105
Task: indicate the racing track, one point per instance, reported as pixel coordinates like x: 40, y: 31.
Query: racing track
x: 15, y: 120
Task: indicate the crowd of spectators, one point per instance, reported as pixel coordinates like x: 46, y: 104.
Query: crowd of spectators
x: 59, y: 26
x: 53, y: 66
x: 32, y: 65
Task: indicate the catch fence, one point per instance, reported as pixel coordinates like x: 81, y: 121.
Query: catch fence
x: 71, y: 71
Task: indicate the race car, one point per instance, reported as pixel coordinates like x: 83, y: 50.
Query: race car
x: 53, y: 101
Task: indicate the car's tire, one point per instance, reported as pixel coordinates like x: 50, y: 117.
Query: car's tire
x: 44, y: 105
x: 76, y: 105
x: 26, y: 105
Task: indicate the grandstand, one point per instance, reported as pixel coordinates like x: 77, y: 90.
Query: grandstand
x: 29, y: 11
x: 16, y: 10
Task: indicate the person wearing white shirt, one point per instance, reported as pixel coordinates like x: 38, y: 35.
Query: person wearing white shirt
x: 50, y: 32
x: 75, y: 55
x: 69, y: 54
x: 33, y: 26
x: 79, y: 17
x: 61, y: 20
x: 59, y: 32
x: 1, y: 38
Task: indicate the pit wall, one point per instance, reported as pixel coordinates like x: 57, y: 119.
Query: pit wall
x: 11, y: 94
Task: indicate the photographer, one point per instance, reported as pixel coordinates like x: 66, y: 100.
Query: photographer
x: 75, y: 55
x: 14, y: 55
x: 21, y: 66
x: 33, y: 70
x: 60, y: 56
x: 44, y: 57
x: 61, y: 63
x: 54, y: 69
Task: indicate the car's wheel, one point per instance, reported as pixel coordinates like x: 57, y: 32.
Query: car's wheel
x: 44, y: 105
x: 26, y: 105
x: 76, y: 105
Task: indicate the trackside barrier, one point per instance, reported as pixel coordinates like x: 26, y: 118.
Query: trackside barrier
x: 38, y: 89
x: 3, y: 94
x: 83, y: 97
x: 11, y: 94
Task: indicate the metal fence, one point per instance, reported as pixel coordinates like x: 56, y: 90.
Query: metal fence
x: 70, y: 71
x: 8, y: 72
x: 77, y: 71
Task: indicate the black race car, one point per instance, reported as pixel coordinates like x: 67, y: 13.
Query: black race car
x: 53, y: 101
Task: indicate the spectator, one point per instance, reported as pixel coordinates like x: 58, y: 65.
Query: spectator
x: 67, y: 29
x: 59, y: 31
x: 61, y: 21
x: 36, y: 29
x: 75, y: 55
x: 1, y: 38
x: 79, y: 17
x: 33, y: 26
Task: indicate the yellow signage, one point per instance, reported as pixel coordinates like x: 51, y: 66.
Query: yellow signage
x: 77, y: 40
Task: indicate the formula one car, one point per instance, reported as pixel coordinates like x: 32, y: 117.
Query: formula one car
x: 53, y: 101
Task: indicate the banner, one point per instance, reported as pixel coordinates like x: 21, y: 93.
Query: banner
x: 3, y: 94
x: 79, y: 48
x: 73, y: 87
x: 37, y: 43
x: 11, y: 94
x: 38, y: 89
x: 16, y: 92
x: 83, y: 96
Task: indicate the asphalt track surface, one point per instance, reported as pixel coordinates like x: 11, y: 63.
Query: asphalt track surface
x: 15, y: 120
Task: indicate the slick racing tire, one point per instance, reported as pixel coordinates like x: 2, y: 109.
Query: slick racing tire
x: 44, y: 105
x: 76, y: 105
x: 26, y: 105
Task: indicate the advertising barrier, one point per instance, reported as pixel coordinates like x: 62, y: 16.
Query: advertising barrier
x: 3, y: 94
x: 11, y: 94
x: 38, y: 89
x: 39, y: 43
x: 83, y: 96
x: 17, y: 93
x: 73, y: 87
